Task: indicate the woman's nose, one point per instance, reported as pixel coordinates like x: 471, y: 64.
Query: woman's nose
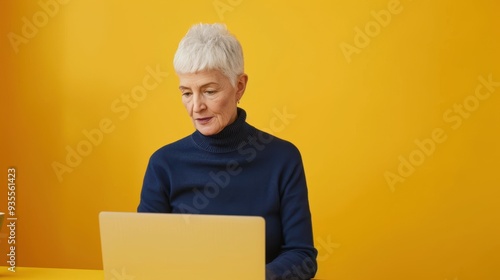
x: 198, y: 103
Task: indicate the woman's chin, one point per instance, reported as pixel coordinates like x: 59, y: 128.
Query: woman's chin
x: 207, y: 131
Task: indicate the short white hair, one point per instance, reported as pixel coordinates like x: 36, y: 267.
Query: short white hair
x: 210, y: 47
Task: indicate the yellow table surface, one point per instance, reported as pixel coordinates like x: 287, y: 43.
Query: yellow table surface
x: 51, y: 273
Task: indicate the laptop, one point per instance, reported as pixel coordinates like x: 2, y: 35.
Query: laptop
x: 149, y: 246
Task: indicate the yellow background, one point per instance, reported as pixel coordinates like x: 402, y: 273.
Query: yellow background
x: 355, y: 118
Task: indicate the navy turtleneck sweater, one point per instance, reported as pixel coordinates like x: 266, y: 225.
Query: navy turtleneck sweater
x: 239, y: 171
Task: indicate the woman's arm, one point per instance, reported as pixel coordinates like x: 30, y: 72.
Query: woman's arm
x: 154, y: 196
x: 297, y: 259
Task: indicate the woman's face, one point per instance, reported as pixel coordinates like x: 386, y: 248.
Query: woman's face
x: 210, y: 99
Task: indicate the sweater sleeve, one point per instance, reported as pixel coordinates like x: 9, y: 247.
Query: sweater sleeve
x: 154, y: 197
x: 297, y: 259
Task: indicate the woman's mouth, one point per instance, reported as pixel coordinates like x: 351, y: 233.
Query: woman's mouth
x: 203, y: 120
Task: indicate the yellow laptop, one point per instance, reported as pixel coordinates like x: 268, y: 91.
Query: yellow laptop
x: 149, y: 246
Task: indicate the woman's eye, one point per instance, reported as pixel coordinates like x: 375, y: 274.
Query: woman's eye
x: 210, y: 92
x: 186, y: 94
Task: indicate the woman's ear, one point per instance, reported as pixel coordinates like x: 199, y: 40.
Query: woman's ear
x: 241, y: 85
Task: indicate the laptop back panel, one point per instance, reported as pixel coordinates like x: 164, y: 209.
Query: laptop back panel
x: 182, y: 246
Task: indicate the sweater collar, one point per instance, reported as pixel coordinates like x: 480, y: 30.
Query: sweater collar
x: 228, y: 139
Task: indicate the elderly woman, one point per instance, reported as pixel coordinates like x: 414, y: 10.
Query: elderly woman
x: 227, y: 166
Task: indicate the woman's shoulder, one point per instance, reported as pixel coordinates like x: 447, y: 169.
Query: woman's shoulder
x: 275, y: 143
